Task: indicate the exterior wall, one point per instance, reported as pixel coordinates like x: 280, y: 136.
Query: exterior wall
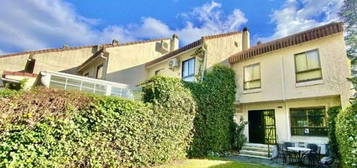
x: 126, y: 63
x: 13, y: 63
x: 219, y: 49
x: 29, y: 83
x: 91, y: 69
x: 278, y: 73
x: 163, y: 67
x: 64, y: 61
x: 282, y: 116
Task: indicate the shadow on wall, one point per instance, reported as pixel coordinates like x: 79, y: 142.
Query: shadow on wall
x: 131, y: 76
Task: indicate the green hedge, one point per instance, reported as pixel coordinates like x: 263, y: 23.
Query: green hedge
x: 51, y: 128
x: 214, y: 125
x: 332, y: 117
x: 346, y: 133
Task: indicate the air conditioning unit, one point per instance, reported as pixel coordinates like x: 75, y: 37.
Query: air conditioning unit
x: 164, y: 47
x: 173, y: 63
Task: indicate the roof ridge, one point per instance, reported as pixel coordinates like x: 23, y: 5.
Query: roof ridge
x: 80, y: 47
x: 297, y: 38
x: 207, y: 37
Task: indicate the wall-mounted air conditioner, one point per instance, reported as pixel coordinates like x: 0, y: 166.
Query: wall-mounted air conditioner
x: 173, y: 63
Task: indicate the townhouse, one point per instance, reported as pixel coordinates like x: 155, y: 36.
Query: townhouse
x: 284, y: 87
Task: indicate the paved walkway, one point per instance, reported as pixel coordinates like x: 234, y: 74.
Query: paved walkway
x: 266, y: 162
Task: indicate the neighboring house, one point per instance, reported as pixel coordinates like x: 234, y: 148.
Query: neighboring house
x: 284, y: 87
x: 190, y: 61
x: 116, y: 62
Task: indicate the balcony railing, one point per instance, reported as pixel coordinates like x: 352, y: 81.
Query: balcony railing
x: 80, y: 83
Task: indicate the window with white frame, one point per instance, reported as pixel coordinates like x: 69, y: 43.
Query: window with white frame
x: 307, y: 66
x: 252, y: 77
x: 188, y: 70
x: 99, y: 74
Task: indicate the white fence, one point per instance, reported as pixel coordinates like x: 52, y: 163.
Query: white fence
x: 80, y: 83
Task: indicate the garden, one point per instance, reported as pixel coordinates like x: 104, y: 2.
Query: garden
x: 176, y: 125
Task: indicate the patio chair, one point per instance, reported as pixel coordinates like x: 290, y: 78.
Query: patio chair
x: 289, y: 156
x: 326, y: 161
x: 281, y: 153
x: 313, y: 156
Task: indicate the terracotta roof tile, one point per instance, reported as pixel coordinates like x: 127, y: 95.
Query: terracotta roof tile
x: 189, y: 46
x: 312, y: 34
x: 79, y: 47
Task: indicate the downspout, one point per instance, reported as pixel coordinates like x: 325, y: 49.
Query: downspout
x: 204, y: 58
x: 284, y: 96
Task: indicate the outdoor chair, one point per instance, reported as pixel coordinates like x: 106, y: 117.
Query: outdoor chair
x: 313, y: 156
x: 281, y: 153
x: 287, y: 155
x: 327, y: 161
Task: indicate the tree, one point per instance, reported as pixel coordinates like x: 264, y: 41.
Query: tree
x: 349, y: 16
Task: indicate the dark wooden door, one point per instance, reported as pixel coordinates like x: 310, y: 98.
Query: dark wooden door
x: 256, y: 126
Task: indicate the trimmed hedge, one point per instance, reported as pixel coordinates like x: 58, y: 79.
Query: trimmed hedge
x: 52, y: 128
x: 214, y: 125
x: 346, y: 133
x: 332, y: 117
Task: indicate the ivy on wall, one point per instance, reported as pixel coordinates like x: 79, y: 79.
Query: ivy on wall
x: 214, y: 125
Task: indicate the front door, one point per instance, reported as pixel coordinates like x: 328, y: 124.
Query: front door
x: 262, y: 126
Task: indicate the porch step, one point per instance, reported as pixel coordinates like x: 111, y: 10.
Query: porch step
x: 257, y: 150
x: 254, y: 156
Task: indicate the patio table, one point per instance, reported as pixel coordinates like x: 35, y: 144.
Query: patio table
x: 300, y: 152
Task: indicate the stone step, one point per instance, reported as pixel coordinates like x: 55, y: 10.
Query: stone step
x: 254, y: 156
x: 254, y: 148
x: 257, y: 145
x: 256, y: 153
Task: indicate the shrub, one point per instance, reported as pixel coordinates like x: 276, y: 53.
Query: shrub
x: 214, y: 125
x: 238, y: 137
x: 346, y: 133
x: 332, y: 117
x: 51, y: 128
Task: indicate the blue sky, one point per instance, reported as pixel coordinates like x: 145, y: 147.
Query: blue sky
x: 37, y: 24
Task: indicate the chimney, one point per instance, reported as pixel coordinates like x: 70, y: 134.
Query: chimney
x: 65, y: 46
x: 245, y: 39
x: 174, y: 42
x: 115, y: 42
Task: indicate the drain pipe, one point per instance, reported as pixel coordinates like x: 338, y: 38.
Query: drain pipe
x: 204, y: 66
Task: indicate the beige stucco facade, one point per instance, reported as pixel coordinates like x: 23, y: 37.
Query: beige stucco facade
x: 126, y: 63
x: 278, y: 73
x: 280, y: 92
x: 61, y: 60
x: 213, y: 50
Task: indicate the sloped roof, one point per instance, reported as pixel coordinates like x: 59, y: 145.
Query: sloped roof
x: 79, y: 47
x: 308, y: 35
x: 188, y: 47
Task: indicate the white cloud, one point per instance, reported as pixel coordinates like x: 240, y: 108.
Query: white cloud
x: 299, y: 15
x: 36, y: 24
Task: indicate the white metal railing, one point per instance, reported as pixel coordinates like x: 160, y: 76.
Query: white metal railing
x: 80, y: 83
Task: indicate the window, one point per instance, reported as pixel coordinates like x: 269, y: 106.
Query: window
x: 99, y: 74
x: 308, y: 121
x: 86, y: 74
x: 307, y: 66
x: 30, y: 65
x: 252, y: 77
x: 188, y: 70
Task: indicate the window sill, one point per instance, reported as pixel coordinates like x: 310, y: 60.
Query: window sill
x: 309, y: 83
x: 252, y: 91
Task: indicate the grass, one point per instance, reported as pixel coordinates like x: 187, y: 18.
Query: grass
x: 205, y: 163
